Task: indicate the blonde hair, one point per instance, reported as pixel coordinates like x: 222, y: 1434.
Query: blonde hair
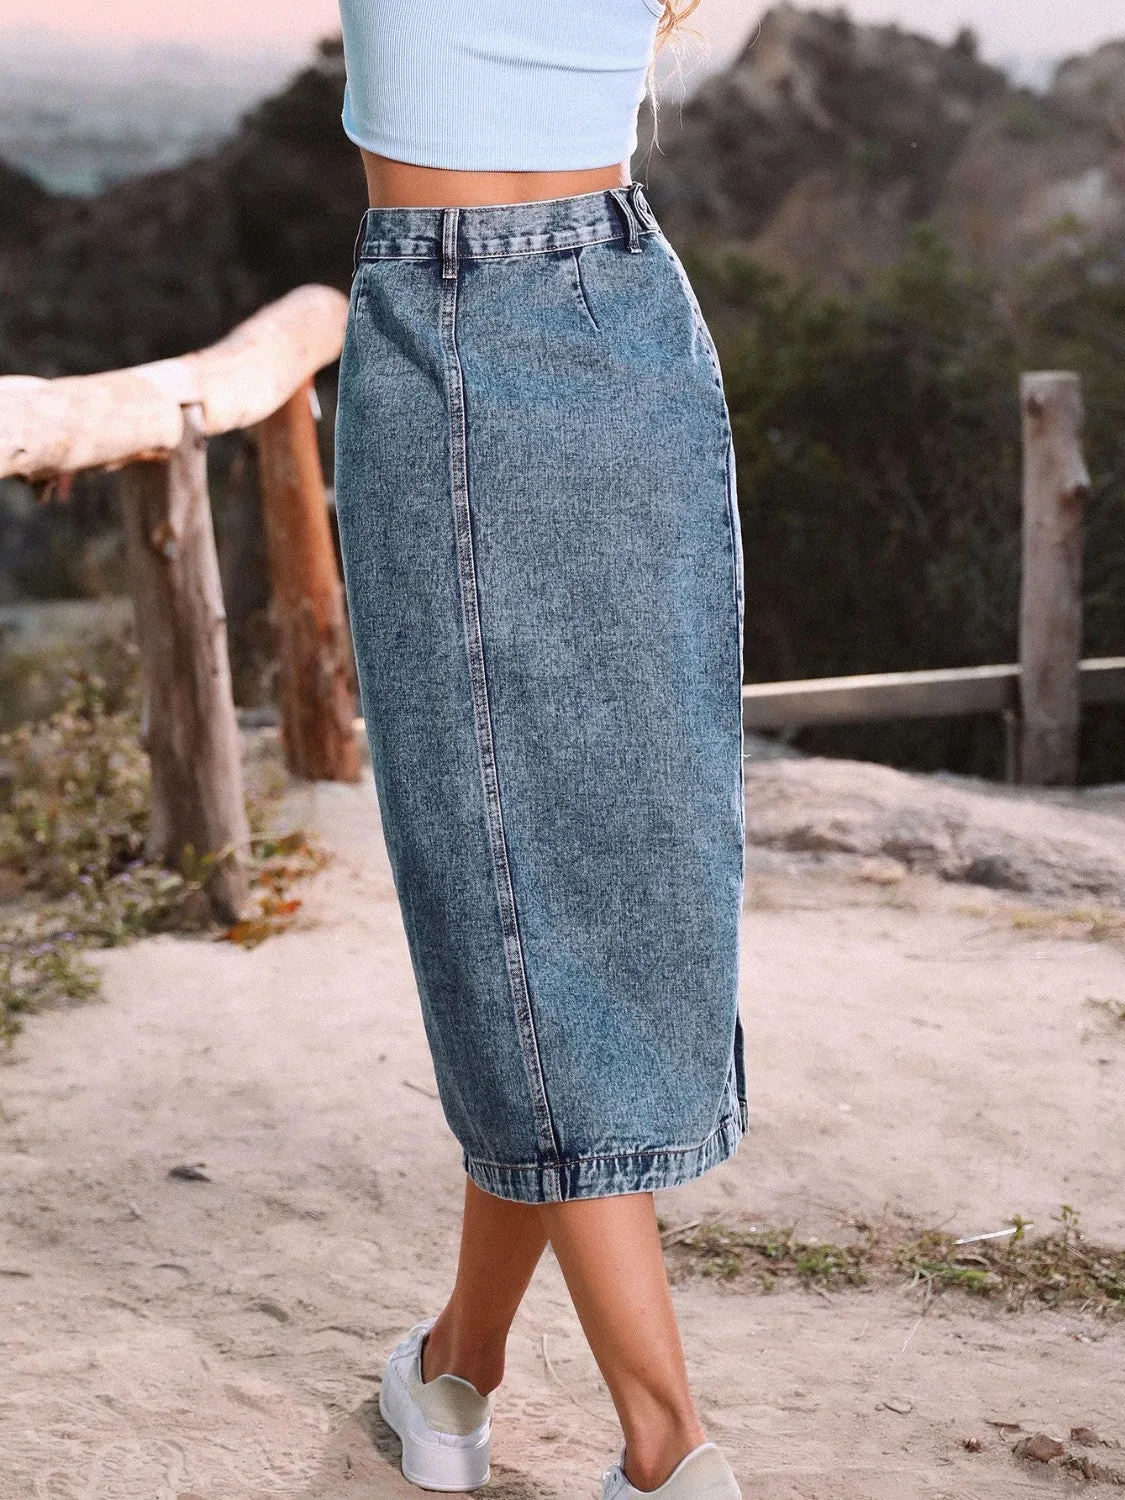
x: 675, y: 11
x: 674, y: 14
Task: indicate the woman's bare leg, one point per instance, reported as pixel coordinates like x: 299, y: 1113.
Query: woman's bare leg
x: 501, y: 1244
x: 610, y: 1253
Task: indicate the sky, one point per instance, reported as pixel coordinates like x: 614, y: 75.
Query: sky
x: 1008, y: 28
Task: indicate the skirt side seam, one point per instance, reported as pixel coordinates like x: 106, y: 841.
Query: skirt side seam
x: 486, y: 752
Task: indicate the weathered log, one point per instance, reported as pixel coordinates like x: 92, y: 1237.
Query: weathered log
x: 1055, y: 483
x: 316, y: 689
x: 190, y: 729
x: 50, y: 427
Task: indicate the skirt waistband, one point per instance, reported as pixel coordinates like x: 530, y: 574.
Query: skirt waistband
x: 500, y: 230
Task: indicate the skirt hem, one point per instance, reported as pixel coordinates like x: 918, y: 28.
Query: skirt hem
x: 642, y: 1171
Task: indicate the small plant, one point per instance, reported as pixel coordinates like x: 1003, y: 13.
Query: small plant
x: 44, y: 971
x: 279, y: 863
x: 769, y: 1256
x: 1095, y: 924
x: 1057, y: 1269
x: 74, y: 808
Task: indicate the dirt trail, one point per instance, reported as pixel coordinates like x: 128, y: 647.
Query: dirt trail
x: 915, y: 1048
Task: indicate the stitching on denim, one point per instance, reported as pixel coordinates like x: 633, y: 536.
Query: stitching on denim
x: 478, y: 249
x: 597, y: 1176
x: 467, y: 257
x: 699, y: 323
x: 656, y: 1153
x: 472, y: 246
x: 486, y: 754
x: 579, y: 285
x: 739, y: 615
x: 357, y: 306
x: 609, y: 239
x: 703, y: 333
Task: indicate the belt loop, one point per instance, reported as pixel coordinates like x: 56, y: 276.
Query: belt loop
x: 359, y: 239
x: 641, y: 206
x: 629, y: 214
x: 449, y: 244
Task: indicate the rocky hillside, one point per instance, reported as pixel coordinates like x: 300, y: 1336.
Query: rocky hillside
x: 826, y: 139
x: 165, y: 263
x: 24, y: 206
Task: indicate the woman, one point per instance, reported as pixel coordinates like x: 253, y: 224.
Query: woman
x: 536, y: 502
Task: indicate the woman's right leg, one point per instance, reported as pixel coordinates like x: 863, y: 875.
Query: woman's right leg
x: 610, y: 1253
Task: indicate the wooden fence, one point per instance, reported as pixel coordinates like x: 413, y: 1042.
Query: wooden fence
x: 153, y: 422
x: 1041, y: 696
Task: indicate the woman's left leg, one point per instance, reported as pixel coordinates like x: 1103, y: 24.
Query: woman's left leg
x: 501, y: 1244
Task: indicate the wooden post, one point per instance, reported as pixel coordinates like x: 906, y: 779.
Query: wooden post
x: 1055, y: 483
x: 190, y: 729
x: 318, y: 704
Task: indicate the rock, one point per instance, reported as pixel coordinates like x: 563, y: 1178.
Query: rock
x: 189, y: 1171
x: 271, y: 1309
x: 1086, y: 1437
x: 823, y: 143
x: 817, y: 149
x: 1091, y: 87
x: 815, y: 92
x: 1039, y: 1447
x: 871, y: 820
x: 162, y: 264
x: 23, y: 206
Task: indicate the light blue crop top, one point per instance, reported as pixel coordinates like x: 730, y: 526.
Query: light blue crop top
x: 497, y: 85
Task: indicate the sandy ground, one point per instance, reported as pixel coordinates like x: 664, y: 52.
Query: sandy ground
x: 915, y: 1048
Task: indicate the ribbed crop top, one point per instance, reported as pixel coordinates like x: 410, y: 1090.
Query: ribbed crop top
x: 497, y: 85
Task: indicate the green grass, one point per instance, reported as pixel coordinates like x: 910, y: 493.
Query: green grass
x: 1057, y: 1269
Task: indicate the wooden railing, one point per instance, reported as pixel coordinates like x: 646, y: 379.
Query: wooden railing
x: 153, y: 422
x: 1041, y: 696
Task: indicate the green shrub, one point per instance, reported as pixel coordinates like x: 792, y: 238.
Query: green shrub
x: 1027, y: 117
x: 75, y: 797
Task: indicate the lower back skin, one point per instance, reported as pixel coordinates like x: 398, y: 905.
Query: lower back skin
x: 399, y: 184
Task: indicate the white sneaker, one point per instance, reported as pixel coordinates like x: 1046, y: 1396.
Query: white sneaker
x: 703, y: 1475
x: 443, y: 1424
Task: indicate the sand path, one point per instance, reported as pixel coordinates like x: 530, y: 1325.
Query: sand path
x: 913, y: 1049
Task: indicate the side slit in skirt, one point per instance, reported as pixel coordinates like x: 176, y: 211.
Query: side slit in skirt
x: 536, y: 501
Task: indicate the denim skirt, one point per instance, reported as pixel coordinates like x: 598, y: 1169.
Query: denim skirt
x: 537, y: 513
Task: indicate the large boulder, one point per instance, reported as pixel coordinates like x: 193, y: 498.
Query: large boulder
x: 857, y: 815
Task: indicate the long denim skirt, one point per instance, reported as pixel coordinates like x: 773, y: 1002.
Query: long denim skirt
x: 535, y: 494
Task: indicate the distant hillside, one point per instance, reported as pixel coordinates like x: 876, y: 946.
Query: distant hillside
x: 165, y: 263
x: 826, y: 139
x: 79, y: 113
x: 24, y: 207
